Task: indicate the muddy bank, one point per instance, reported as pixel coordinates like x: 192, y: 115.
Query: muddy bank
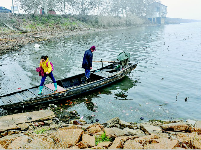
x: 43, y: 130
x: 15, y: 41
x: 19, y: 30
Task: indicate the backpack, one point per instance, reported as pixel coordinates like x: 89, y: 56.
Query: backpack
x: 51, y: 65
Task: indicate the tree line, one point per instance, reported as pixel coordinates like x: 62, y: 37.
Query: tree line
x: 122, y: 8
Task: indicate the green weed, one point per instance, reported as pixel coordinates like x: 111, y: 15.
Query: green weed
x: 102, y: 138
x: 41, y: 131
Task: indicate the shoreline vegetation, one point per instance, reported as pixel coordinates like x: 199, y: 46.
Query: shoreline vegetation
x: 19, y: 30
x: 42, y: 130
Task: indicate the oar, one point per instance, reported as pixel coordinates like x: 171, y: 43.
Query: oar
x: 104, y: 61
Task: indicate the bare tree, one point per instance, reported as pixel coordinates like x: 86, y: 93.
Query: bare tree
x: 33, y: 6
x: 30, y: 6
x: 91, y: 7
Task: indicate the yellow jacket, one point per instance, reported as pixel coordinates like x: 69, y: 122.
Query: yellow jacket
x: 45, y: 67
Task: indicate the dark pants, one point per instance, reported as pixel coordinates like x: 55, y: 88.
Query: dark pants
x: 44, y: 77
x: 87, y: 73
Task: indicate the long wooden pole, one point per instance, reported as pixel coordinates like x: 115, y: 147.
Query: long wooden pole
x: 103, y: 61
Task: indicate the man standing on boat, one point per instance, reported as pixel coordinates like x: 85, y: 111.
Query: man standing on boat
x: 87, y: 61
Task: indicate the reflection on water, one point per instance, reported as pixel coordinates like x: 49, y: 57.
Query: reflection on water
x: 167, y: 73
x: 86, y: 101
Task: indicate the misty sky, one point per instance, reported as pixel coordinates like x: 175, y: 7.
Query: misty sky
x: 186, y: 9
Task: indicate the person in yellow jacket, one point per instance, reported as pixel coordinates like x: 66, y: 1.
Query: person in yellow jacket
x: 47, y: 67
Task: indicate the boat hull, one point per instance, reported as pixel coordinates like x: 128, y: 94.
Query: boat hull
x: 69, y: 87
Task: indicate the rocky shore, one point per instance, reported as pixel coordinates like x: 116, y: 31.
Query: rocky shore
x: 42, y: 130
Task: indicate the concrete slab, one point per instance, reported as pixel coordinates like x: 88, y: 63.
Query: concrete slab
x: 10, y: 122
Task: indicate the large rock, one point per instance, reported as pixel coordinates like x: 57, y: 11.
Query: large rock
x: 198, y: 124
x: 113, y: 122
x: 150, y: 142
x: 150, y: 129
x: 147, y: 139
x: 93, y: 129
x: 90, y: 140
x: 113, y: 132
x: 104, y: 145
x: 124, y: 124
x: 67, y: 138
x: 19, y: 143
x: 119, y: 142
x: 175, y: 127
x: 131, y: 144
x: 99, y: 133
x: 197, y: 127
x: 162, y: 143
x: 7, y: 140
x: 40, y: 142
x: 189, y: 140
x: 82, y: 145
x: 131, y: 132
x: 1, y: 147
x: 196, y: 142
x: 23, y: 126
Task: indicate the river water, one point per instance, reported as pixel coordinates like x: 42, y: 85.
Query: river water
x: 164, y: 86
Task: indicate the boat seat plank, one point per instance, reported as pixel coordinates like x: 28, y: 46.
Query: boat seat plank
x: 51, y: 86
x: 18, y: 97
x: 27, y: 95
x: 1, y: 102
x: 14, y: 98
x: 5, y: 100
x: 34, y: 91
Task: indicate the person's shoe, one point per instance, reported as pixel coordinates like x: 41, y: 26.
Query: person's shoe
x: 87, y: 80
x: 55, y: 85
x: 40, y: 90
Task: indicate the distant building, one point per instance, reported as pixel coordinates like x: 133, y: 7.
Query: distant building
x: 52, y: 12
x: 4, y: 10
x: 42, y: 12
x: 157, y: 13
x: 15, y: 9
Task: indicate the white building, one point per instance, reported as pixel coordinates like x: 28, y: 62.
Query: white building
x: 158, y: 13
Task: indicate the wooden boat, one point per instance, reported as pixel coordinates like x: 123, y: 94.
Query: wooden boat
x: 67, y: 87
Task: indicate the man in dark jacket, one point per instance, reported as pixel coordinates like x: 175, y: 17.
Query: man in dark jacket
x: 87, y: 61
